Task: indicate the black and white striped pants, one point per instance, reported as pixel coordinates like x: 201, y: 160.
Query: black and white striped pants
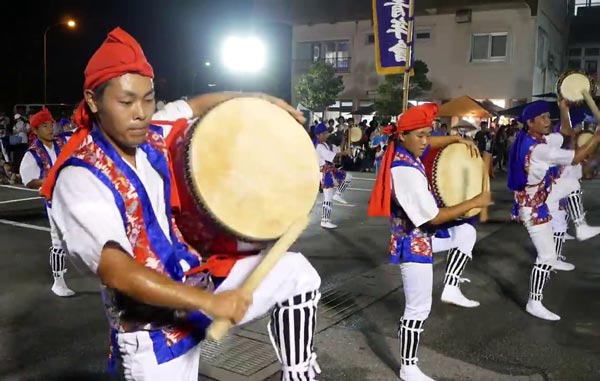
x: 292, y: 329
x: 57, y: 261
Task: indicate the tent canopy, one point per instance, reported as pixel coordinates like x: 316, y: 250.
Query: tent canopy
x: 464, y: 106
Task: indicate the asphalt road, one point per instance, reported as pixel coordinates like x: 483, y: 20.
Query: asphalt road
x: 44, y: 337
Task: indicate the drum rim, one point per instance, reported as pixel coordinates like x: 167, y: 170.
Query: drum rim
x: 563, y: 76
x: 191, y: 183
x: 436, y: 190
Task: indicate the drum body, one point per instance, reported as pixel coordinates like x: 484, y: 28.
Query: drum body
x: 246, y: 170
x: 572, y: 84
x: 454, y: 176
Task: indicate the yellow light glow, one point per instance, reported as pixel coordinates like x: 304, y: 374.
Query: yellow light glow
x: 71, y: 23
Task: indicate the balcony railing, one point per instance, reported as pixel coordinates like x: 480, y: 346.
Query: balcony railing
x: 341, y: 65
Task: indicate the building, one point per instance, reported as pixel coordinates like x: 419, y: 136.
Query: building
x: 504, y: 51
x: 584, y: 39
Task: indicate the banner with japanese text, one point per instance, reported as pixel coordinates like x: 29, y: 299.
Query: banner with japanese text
x: 390, y: 23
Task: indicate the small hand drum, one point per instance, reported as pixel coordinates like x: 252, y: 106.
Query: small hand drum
x: 583, y: 138
x: 572, y: 84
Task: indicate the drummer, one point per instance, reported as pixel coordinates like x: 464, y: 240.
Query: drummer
x: 532, y: 155
x: 402, y: 192
x: 564, y: 201
x: 331, y: 176
x: 115, y: 168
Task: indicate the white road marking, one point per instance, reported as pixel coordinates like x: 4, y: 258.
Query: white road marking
x: 22, y: 225
x: 20, y: 188
x: 20, y: 199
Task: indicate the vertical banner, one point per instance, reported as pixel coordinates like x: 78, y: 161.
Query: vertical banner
x: 393, y: 28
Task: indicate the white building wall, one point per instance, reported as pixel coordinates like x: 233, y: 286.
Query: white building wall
x: 448, y: 53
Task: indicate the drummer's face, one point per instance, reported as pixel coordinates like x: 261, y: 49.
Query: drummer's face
x: 125, y: 108
x: 541, y: 124
x: 323, y: 136
x: 415, y: 141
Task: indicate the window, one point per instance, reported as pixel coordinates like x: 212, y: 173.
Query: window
x: 542, y: 49
x: 370, y: 39
x: 585, y: 3
x: 489, y: 47
x: 422, y: 35
x: 592, y: 51
x: 591, y: 67
x: 574, y: 64
x: 336, y: 53
x: 575, y: 52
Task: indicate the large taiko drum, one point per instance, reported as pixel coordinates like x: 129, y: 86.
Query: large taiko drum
x: 455, y: 176
x: 246, y: 170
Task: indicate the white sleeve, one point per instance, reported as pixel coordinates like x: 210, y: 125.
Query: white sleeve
x: 324, y: 153
x: 411, y: 190
x: 86, y: 216
x: 335, y: 149
x: 171, y: 112
x: 29, y: 169
x: 552, y: 155
x: 554, y: 140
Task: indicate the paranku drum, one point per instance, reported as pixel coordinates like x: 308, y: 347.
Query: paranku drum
x: 572, y: 84
x: 245, y: 170
x: 455, y: 176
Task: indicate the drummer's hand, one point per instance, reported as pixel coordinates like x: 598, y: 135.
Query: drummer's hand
x: 471, y: 145
x: 483, y: 199
x: 563, y: 104
x: 229, y: 305
x: 297, y: 114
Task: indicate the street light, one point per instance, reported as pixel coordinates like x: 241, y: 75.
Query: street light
x: 69, y: 23
x: 244, y: 54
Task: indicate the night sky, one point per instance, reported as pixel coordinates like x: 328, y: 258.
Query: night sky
x: 178, y: 36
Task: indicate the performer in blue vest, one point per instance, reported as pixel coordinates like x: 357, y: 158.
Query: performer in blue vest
x: 34, y: 168
x: 530, y: 176
x: 402, y: 192
x: 110, y: 195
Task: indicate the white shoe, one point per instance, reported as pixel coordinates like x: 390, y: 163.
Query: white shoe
x: 586, y: 231
x: 568, y: 237
x: 561, y: 265
x: 537, y: 309
x: 60, y: 287
x: 453, y: 295
x: 413, y: 373
x: 339, y: 199
x: 328, y: 225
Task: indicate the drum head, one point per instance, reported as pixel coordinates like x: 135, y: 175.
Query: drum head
x: 252, y: 167
x: 355, y: 134
x: 572, y: 84
x: 457, y: 176
x: 583, y: 138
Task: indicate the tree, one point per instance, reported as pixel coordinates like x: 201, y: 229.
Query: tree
x: 390, y: 94
x: 320, y: 87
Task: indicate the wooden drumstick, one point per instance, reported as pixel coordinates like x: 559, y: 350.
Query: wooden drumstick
x: 219, y: 328
x: 487, y: 162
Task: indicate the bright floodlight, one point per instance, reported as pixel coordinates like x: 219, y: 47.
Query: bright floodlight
x: 71, y: 24
x: 245, y: 55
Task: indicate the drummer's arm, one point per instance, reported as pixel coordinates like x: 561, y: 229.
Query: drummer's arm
x: 411, y: 192
x: 202, y: 103
x: 565, y: 119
